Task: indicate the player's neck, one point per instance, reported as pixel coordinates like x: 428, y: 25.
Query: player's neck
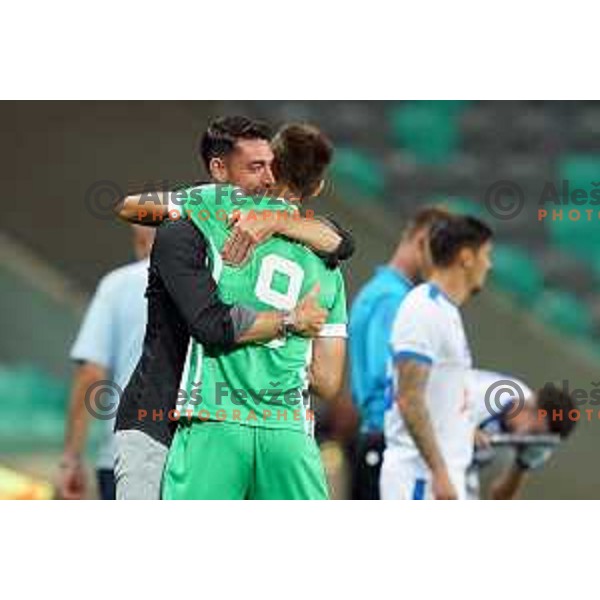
x: 404, y: 262
x: 452, y: 283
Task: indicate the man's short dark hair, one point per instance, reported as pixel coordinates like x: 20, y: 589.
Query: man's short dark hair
x: 425, y: 218
x: 557, y: 403
x: 449, y: 236
x: 302, y: 154
x: 222, y: 134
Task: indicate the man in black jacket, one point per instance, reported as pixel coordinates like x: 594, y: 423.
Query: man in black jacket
x: 183, y: 301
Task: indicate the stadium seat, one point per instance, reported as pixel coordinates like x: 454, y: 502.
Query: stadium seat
x: 357, y: 175
x: 449, y: 107
x: 429, y: 130
x: 34, y: 406
x: 575, y: 237
x: 517, y: 274
x: 581, y: 170
x: 565, y: 312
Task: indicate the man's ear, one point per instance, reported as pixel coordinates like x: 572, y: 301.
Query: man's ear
x: 467, y: 258
x: 319, y: 188
x: 218, y: 170
x: 422, y: 240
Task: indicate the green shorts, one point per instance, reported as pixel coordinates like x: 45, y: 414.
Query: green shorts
x: 227, y: 461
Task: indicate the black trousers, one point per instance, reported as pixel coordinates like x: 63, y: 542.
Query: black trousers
x: 367, y: 457
x: 106, y: 484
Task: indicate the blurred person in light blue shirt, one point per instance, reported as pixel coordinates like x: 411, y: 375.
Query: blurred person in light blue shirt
x: 371, y: 319
x: 106, y: 351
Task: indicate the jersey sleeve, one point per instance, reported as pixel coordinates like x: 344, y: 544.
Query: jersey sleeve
x: 179, y: 256
x: 345, y: 249
x: 94, y: 342
x: 376, y: 340
x: 336, y: 324
x: 416, y: 332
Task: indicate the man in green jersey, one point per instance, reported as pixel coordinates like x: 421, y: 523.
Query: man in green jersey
x: 246, y: 431
x: 185, y: 299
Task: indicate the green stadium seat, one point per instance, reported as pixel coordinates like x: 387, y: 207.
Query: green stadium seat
x: 579, y: 237
x: 517, y: 274
x: 449, y: 107
x: 427, y: 129
x: 357, y: 174
x: 581, y: 170
x: 565, y: 312
x: 33, y: 406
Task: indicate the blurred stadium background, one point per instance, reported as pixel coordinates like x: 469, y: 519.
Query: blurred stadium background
x: 540, y: 318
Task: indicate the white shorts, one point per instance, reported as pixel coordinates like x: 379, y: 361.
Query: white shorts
x: 402, y: 479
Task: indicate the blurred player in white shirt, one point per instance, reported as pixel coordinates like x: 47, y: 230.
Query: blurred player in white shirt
x: 429, y: 426
x: 506, y: 405
x: 107, y: 348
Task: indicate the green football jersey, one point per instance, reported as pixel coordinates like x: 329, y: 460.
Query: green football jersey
x: 258, y: 384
